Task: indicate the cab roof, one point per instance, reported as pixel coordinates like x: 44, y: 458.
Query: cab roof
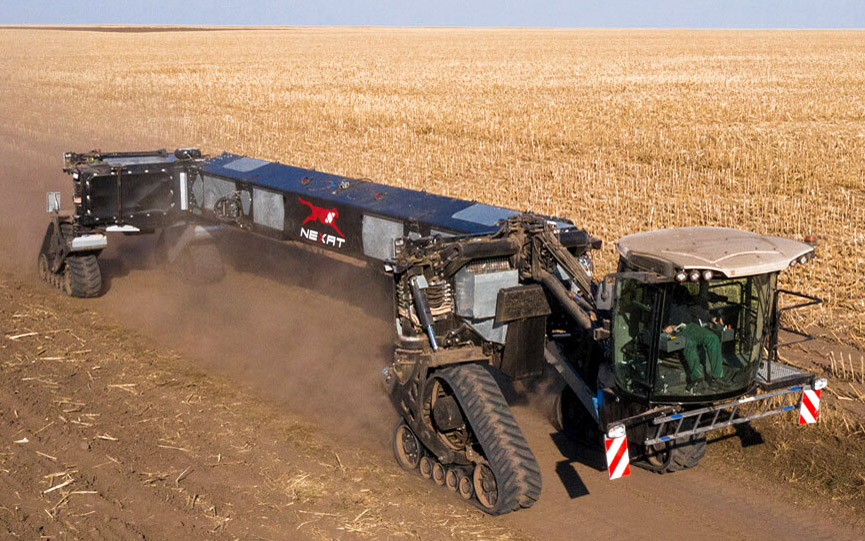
x: 731, y: 252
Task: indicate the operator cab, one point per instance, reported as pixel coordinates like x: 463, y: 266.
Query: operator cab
x: 693, y: 311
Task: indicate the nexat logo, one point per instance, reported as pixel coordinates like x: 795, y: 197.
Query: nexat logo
x: 322, y: 216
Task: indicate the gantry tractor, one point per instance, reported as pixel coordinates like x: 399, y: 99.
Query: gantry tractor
x: 680, y: 341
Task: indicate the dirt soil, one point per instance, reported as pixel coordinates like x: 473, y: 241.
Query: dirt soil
x: 107, y: 435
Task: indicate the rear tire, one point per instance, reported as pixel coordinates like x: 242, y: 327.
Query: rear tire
x: 81, y: 277
x: 682, y: 454
x: 575, y: 421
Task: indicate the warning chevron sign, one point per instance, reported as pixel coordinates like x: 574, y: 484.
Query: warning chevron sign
x: 618, y: 462
x: 810, y: 408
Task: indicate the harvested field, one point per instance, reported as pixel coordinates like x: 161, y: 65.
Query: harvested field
x: 226, y: 420
x: 620, y: 131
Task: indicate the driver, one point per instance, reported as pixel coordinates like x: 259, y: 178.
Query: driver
x: 688, y: 314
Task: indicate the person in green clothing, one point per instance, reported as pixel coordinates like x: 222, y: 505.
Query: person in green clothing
x: 688, y: 314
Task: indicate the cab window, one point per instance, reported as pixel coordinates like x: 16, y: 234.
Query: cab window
x: 633, y: 335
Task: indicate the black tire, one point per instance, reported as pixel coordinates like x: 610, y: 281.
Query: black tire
x: 575, y: 421
x: 516, y: 472
x: 678, y: 455
x: 82, y: 277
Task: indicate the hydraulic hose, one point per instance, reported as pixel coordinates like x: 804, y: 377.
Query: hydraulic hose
x: 558, y: 291
x: 424, y: 314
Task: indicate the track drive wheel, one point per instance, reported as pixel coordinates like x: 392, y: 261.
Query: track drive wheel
x: 406, y: 447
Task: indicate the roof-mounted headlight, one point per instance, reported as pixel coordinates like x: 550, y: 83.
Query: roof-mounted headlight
x: 695, y: 275
x: 681, y: 276
x: 707, y: 275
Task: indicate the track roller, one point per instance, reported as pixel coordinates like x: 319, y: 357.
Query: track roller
x: 465, y: 487
x: 438, y: 474
x: 485, y: 485
x: 44, y: 267
x: 452, y: 479
x: 426, y: 467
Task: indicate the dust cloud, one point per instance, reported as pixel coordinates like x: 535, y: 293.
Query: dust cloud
x: 299, y: 328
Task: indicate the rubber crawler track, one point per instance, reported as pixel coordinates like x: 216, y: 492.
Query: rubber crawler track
x: 516, y: 471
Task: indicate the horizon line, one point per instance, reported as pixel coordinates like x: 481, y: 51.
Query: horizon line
x: 49, y: 26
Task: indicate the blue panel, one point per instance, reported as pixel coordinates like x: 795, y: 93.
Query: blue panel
x: 427, y: 210
x: 676, y: 416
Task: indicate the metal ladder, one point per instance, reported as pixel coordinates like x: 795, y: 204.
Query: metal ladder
x: 681, y: 425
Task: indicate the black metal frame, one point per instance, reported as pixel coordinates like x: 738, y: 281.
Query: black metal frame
x: 776, y: 325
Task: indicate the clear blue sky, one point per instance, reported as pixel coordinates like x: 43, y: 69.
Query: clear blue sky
x: 539, y: 13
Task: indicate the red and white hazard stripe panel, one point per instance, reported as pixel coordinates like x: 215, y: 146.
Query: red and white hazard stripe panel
x: 810, y: 408
x: 618, y: 462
